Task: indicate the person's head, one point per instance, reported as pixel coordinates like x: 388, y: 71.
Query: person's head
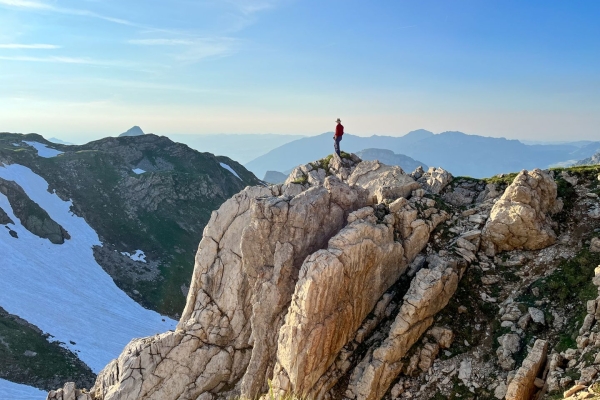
x: 339, y: 121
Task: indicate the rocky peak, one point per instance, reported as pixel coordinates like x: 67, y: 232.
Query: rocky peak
x: 134, y: 131
x: 348, y: 281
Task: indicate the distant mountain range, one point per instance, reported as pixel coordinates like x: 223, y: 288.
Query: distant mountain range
x: 459, y: 153
x: 390, y: 158
x: 593, y: 160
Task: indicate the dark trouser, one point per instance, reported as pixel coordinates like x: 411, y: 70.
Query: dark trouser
x: 336, y: 144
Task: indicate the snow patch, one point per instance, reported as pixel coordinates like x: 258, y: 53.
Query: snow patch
x: 11, y: 390
x: 61, y: 289
x: 138, y: 171
x: 16, y: 144
x: 43, y: 150
x: 137, y: 256
x: 228, y: 168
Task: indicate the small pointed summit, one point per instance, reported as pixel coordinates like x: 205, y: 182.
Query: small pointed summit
x: 135, y: 131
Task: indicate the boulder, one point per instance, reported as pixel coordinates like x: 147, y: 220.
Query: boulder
x: 595, y: 245
x: 382, y: 181
x: 435, y: 180
x: 522, y: 387
x: 521, y: 218
x: 69, y: 392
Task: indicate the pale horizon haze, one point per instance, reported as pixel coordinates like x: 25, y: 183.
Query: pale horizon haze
x: 80, y: 70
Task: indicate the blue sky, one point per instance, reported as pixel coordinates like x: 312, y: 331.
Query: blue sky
x: 90, y: 68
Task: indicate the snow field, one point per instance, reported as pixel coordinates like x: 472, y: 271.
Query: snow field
x: 15, y: 391
x: 43, y: 150
x: 137, y: 256
x: 228, y: 168
x: 61, y: 288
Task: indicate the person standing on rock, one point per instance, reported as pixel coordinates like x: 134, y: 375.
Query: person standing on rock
x: 337, y: 137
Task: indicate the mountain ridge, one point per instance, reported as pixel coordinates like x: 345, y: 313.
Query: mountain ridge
x: 468, y: 155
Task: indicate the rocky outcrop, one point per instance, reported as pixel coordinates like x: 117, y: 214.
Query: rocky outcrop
x: 330, y: 301
x: 521, y: 218
x: 382, y: 181
x: 35, y: 219
x: 69, y: 392
x: 522, y: 387
x: 326, y: 285
x: 435, y: 179
x: 429, y: 292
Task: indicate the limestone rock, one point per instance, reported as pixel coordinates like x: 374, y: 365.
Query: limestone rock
x: 587, y: 375
x: 489, y: 192
x: 573, y: 390
x: 314, y: 173
x: 330, y: 302
x: 509, y: 345
x: 522, y: 387
x: 500, y: 391
x: 443, y: 336
x: 429, y: 292
x: 537, y: 315
x: 382, y: 181
x: 521, y: 218
x: 69, y: 392
x: 246, y: 268
x: 464, y: 373
x: 417, y: 173
x: 435, y: 179
x: 595, y: 245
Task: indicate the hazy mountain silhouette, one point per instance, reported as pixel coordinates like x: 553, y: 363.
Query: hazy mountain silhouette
x: 461, y: 154
x: 390, y: 158
x: 134, y: 131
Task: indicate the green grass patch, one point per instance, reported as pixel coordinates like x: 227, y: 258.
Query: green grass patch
x: 569, y: 288
x: 301, y: 181
x: 502, y: 179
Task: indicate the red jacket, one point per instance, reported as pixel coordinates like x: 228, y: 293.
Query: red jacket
x: 339, y: 130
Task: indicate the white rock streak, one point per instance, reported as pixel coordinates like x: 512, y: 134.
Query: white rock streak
x: 228, y: 168
x: 43, y: 150
x: 61, y: 288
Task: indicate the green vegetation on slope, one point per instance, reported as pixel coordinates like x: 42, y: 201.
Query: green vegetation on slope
x: 27, y: 357
x: 161, y: 212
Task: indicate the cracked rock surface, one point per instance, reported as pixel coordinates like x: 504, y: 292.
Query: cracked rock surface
x: 328, y: 286
x: 521, y: 218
